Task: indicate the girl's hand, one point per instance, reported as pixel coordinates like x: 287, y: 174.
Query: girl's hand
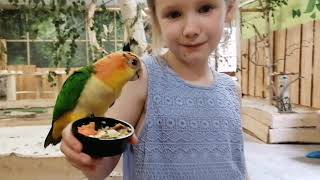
x: 94, y: 169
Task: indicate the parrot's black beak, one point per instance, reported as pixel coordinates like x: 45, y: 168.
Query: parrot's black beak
x: 138, y: 73
x: 136, y: 76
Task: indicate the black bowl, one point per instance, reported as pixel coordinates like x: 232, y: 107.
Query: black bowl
x: 95, y: 147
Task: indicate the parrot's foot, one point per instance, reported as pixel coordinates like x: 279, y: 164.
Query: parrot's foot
x: 314, y: 154
x: 92, y: 115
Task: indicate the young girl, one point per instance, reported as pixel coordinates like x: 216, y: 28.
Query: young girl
x: 186, y: 116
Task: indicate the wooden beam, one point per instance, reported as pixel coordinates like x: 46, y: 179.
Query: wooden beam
x: 280, y: 50
x: 259, y: 81
x: 3, y: 54
x: 292, y: 63
x: 303, y: 135
x: 259, y: 129
x: 306, y: 64
x: 252, y: 66
x: 244, y: 66
x: 316, y: 67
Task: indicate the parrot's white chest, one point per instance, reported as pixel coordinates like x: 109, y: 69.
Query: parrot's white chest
x: 95, y: 98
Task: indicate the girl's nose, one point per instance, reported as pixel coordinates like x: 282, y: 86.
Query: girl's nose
x: 191, y: 28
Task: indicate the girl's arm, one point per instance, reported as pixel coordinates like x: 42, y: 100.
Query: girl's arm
x: 128, y: 107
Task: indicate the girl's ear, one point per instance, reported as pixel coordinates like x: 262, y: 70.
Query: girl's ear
x: 231, y: 10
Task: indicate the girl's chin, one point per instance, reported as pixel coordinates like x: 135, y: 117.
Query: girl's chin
x: 196, y: 55
x: 194, y: 58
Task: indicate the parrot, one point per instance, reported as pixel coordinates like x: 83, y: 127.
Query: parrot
x: 91, y: 90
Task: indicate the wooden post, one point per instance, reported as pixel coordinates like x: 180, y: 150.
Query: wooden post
x: 59, y: 81
x: 269, y: 57
x: 3, y: 55
x: 11, y: 87
x: 306, y: 64
x: 39, y: 86
x: 316, y: 68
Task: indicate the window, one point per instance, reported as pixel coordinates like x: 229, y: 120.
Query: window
x: 29, y: 47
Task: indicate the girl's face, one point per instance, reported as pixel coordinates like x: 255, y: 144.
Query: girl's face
x: 191, y: 29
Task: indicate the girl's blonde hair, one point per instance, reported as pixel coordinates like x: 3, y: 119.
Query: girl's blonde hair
x: 156, y: 42
x: 156, y: 32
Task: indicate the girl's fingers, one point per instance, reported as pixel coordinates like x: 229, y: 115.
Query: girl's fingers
x: 74, y: 157
x: 70, y: 140
x: 134, y: 139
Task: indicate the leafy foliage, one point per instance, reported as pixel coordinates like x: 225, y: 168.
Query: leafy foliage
x: 62, y: 21
x: 65, y: 21
x: 272, y: 5
x: 312, y: 8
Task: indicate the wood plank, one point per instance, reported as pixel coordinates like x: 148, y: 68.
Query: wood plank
x: 260, y: 56
x: 25, y: 82
x: 279, y: 50
x: 316, y: 67
x: 264, y: 117
x: 266, y: 92
x: 244, y: 66
x: 303, y: 135
x: 292, y: 63
x: 3, y: 55
x: 279, y: 55
x: 294, y: 120
x: 268, y: 114
x: 277, y: 120
x: 306, y: 64
x: 252, y: 66
x: 29, y: 82
x: 258, y: 129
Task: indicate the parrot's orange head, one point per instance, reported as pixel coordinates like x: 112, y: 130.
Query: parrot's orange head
x: 118, y: 68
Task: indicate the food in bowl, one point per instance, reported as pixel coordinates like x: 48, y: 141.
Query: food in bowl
x: 101, y: 136
x: 107, y: 133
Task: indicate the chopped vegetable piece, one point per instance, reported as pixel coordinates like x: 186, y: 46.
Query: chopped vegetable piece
x: 88, y: 130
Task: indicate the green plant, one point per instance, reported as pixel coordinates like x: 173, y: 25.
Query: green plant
x: 64, y: 22
x: 272, y: 5
x: 312, y: 8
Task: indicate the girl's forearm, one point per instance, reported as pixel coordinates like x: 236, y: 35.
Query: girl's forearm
x: 103, y: 169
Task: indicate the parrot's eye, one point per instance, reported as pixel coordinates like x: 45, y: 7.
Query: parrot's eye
x: 134, y: 62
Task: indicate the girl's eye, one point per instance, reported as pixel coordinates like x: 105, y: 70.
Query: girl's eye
x: 205, y: 9
x: 173, y: 14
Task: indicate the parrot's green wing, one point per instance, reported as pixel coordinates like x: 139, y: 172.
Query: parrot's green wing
x: 71, y: 91
x: 68, y: 98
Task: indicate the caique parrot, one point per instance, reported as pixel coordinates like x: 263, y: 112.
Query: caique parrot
x: 92, y: 90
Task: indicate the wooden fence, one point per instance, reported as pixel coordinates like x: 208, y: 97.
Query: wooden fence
x: 32, y: 82
x: 295, y: 50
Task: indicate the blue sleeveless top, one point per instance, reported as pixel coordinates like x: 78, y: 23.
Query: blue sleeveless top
x: 190, y: 132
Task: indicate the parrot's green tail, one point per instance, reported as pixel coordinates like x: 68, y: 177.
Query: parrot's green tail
x: 50, y: 139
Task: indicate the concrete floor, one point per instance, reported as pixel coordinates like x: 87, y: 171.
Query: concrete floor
x: 280, y: 161
x: 264, y: 161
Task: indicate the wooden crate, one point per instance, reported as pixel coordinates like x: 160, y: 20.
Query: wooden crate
x: 263, y: 121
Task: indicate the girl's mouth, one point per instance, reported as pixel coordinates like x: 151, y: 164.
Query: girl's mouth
x: 196, y: 45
